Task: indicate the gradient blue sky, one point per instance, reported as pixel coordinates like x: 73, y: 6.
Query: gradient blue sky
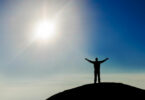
x: 116, y: 30
x: 86, y: 28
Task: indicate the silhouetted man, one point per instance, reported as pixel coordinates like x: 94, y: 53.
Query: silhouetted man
x: 96, y: 68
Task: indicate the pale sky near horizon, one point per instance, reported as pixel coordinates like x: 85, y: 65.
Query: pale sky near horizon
x: 43, y: 44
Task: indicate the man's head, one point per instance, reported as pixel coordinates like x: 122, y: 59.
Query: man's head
x: 96, y: 59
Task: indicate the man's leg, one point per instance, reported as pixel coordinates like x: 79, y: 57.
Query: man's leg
x: 99, y: 79
x: 95, y: 77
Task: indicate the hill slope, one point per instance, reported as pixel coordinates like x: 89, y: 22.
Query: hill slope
x: 100, y: 91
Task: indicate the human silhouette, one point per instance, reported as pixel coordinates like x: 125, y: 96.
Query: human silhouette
x: 97, y: 68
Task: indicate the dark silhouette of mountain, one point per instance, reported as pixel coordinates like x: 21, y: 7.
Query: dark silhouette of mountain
x: 100, y: 91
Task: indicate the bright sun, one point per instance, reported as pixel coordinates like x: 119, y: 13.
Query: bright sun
x: 45, y: 30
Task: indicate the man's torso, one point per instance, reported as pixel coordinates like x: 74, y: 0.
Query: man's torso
x: 97, y: 66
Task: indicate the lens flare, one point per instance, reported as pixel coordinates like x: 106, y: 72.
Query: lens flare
x: 45, y: 30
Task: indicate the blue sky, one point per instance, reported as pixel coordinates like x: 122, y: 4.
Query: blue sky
x: 116, y: 30
x: 84, y: 28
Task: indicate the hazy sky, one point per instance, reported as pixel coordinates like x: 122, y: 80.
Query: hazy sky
x: 33, y: 69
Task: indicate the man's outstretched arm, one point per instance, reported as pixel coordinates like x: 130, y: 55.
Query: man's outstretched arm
x: 104, y: 60
x: 89, y: 60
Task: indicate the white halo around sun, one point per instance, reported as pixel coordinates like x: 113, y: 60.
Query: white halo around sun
x: 45, y: 30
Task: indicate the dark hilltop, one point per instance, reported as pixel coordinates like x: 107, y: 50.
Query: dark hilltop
x: 100, y: 91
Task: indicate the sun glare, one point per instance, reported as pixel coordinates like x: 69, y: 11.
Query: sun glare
x: 45, y: 30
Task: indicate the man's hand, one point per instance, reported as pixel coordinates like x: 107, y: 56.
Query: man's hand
x: 107, y: 58
x: 89, y: 60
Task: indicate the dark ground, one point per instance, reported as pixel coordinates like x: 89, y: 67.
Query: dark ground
x: 100, y: 91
